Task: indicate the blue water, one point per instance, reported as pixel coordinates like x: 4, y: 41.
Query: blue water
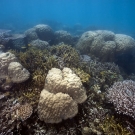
x: 115, y: 15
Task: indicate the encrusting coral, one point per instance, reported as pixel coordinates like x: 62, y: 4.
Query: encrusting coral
x: 70, y: 56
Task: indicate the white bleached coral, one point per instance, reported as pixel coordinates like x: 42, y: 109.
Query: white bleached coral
x: 62, y: 92
x: 11, y: 71
x: 65, y: 81
x: 106, y: 45
x: 5, y: 60
x: 17, y: 73
x: 53, y: 108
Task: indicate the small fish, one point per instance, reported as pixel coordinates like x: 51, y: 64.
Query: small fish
x: 29, y: 45
x: 2, y: 96
x: 2, y: 46
x: 23, y: 47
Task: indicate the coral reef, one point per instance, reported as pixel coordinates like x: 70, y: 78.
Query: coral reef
x: 58, y: 91
x: 12, y: 113
x: 102, y: 75
x: 121, y: 94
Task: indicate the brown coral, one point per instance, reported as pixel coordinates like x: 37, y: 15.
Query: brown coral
x: 21, y: 112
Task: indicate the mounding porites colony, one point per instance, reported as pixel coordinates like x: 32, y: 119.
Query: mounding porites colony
x: 62, y: 92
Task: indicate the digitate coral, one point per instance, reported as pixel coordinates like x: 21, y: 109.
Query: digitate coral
x: 38, y: 77
x: 85, y: 77
x: 35, y: 59
x: 70, y: 56
x: 122, y: 95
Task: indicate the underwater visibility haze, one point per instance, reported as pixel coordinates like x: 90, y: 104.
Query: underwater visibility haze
x: 101, y: 14
x: 67, y: 67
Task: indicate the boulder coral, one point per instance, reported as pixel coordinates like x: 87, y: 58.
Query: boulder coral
x: 62, y: 92
x: 17, y: 73
x: 39, y: 44
x: 106, y: 45
x: 44, y: 32
x: 11, y: 71
x: 40, y: 31
x: 53, y: 108
x: 31, y: 35
x: 63, y: 36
